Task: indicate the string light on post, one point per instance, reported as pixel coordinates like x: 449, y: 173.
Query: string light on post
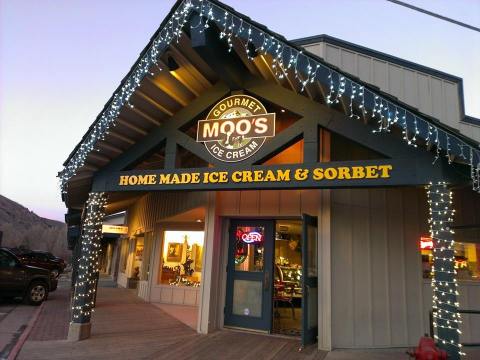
x: 88, y: 265
x: 446, y: 318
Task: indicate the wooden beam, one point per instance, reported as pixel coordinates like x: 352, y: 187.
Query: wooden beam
x: 311, y: 145
x: 183, y: 61
x: 281, y: 141
x: 131, y: 126
x: 195, y: 148
x: 166, y: 90
x: 145, y: 116
x: 95, y: 155
x: 182, y: 79
x: 153, y: 102
x: 227, y: 66
x: 241, y: 53
x: 157, y: 155
x: 158, y: 135
x: 87, y: 167
x: 121, y: 137
x: 80, y: 177
x: 170, y: 153
x: 335, y: 121
x: 107, y: 146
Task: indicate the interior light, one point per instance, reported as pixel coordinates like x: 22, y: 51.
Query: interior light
x: 282, y: 110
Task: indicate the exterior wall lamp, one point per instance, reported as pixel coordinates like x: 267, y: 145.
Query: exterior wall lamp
x: 172, y: 64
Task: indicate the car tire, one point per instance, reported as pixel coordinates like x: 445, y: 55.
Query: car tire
x: 37, y: 293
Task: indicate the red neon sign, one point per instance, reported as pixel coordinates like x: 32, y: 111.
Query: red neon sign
x: 426, y: 243
x: 252, y: 237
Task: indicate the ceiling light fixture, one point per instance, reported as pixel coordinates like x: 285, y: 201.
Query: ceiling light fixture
x: 172, y: 64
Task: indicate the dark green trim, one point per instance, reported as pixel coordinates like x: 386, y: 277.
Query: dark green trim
x: 405, y: 172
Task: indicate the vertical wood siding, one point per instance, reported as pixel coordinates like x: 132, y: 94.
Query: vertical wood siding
x: 155, y: 206
x: 267, y: 203
x: 377, y: 297
x: 434, y: 96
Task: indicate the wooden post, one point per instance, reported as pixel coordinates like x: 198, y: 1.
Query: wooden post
x: 85, y: 284
x: 446, y: 318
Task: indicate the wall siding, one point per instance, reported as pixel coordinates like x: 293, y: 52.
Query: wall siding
x: 267, y: 202
x: 155, y: 206
x: 432, y: 95
x: 377, y: 292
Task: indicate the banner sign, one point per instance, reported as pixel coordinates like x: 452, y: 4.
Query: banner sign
x: 236, y: 128
x: 297, y: 176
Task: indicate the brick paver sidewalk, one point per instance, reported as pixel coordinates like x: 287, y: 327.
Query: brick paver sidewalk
x: 125, y: 327
x: 52, y: 324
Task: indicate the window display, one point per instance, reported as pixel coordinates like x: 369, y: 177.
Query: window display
x: 467, y: 264
x: 182, y: 258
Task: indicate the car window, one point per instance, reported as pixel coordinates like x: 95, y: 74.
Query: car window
x: 6, y: 260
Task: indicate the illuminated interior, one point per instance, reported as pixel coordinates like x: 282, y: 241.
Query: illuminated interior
x: 287, y: 292
x: 182, y: 258
x: 466, y: 259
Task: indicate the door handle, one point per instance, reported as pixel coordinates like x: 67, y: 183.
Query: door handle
x: 266, y: 281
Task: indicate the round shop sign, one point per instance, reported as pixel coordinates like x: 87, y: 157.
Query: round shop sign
x: 236, y: 128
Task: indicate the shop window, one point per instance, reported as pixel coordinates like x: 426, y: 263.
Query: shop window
x: 123, y: 255
x: 181, y: 263
x: 467, y: 261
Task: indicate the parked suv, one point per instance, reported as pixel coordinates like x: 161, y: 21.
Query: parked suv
x: 41, y: 259
x: 20, y: 280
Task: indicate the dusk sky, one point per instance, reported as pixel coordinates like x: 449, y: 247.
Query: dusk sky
x: 60, y: 61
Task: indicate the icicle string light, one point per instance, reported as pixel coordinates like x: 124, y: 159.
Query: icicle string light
x: 287, y: 59
x: 446, y: 318
x: 88, y: 264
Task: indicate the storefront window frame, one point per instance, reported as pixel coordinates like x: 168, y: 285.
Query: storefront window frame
x: 161, y: 229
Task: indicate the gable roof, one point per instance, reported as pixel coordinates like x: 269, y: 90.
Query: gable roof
x: 288, y: 57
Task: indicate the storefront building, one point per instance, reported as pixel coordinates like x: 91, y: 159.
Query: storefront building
x: 298, y: 188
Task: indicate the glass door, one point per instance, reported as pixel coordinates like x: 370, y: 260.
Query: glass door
x: 310, y: 284
x: 249, y: 275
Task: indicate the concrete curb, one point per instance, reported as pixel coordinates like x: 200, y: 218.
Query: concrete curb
x: 21, y: 340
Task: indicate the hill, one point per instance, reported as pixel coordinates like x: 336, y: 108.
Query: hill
x: 22, y: 227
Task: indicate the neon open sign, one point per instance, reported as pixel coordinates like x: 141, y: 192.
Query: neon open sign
x: 252, y: 237
x: 426, y: 243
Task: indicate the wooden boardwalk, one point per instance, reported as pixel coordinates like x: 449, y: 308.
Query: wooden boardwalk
x: 125, y: 327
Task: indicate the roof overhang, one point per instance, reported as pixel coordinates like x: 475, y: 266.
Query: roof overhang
x: 150, y: 95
